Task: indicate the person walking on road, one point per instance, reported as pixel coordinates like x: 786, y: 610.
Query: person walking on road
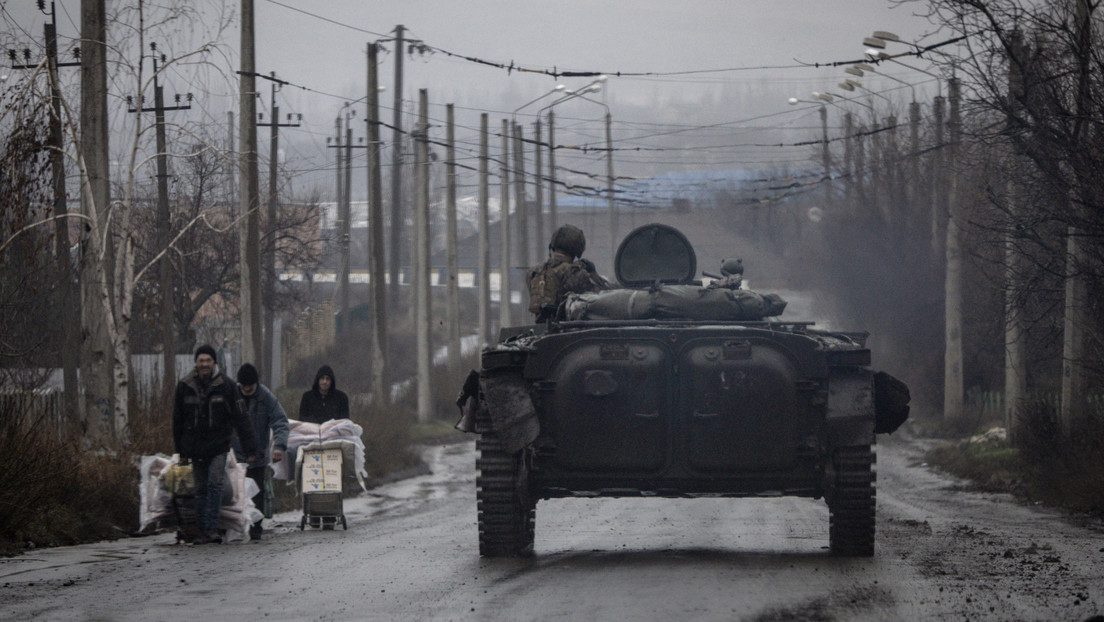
x: 206, y: 413
x: 324, y: 401
x: 266, y: 416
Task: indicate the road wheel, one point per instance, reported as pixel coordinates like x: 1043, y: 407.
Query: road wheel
x: 852, y: 504
x: 507, y: 516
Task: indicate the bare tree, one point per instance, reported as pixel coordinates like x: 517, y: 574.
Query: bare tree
x: 1035, y: 73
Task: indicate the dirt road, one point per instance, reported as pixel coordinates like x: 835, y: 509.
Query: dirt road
x: 410, y: 553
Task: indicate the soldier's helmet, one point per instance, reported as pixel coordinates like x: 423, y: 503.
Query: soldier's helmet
x: 569, y: 239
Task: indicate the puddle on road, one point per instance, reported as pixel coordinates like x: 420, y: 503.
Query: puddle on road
x: 451, y: 466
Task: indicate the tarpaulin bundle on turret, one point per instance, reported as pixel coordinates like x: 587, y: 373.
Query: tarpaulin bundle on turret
x: 674, y: 302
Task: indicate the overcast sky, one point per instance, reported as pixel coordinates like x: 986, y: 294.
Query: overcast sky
x: 319, y: 46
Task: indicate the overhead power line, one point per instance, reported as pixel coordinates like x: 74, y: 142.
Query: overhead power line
x: 555, y: 72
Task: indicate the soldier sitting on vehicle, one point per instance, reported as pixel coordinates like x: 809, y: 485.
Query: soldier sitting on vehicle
x: 564, y: 273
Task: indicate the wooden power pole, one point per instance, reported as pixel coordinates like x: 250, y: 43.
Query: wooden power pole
x: 249, y: 202
x: 421, y: 260
x: 484, y: 275
x: 268, y: 354
x: 453, y: 298
x: 376, y: 267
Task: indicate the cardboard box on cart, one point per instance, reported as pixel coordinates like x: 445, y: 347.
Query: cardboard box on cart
x: 320, y: 475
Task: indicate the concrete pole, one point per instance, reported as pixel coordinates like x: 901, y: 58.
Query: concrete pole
x: 825, y: 155
x: 249, y: 225
x: 377, y: 269
x: 1015, y: 351
x: 397, y: 216
x: 453, y: 322
x: 552, y: 216
x: 610, y: 204
x: 96, y: 348
x: 484, y: 275
x: 859, y: 174
x: 521, y: 205
x: 538, y: 186
x: 914, y: 158
x: 1073, y: 341
x: 953, y: 390
x: 848, y: 158
x: 938, y: 190
x: 421, y: 254
x: 1076, y: 314
x: 504, y: 226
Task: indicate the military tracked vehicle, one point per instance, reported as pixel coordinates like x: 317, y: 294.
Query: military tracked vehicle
x: 668, y: 388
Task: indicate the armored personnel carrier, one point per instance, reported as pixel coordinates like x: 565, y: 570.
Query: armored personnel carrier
x: 665, y: 388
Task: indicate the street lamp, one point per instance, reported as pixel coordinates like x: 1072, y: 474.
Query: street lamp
x: 824, y: 156
x: 521, y: 209
x: 609, y: 176
x: 877, y: 56
x: 593, y: 87
x: 858, y: 69
x: 559, y: 89
x: 851, y: 85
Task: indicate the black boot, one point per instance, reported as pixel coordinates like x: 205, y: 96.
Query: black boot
x: 255, y: 531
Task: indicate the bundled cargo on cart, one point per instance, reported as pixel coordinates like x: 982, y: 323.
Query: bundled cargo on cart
x: 326, y: 462
x: 166, y: 494
x: 302, y: 433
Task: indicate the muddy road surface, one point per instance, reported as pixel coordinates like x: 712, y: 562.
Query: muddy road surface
x: 410, y: 553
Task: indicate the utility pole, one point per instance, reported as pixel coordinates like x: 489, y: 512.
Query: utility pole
x: 611, y: 206
x: 1075, y: 314
x: 346, y: 215
x: 231, y: 166
x: 376, y: 267
x: 397, y: 216
x: 859, y: 173
x: 552, y: 171
x: 450, y: 245
x: 343, y: 224
x: 914, y: 158
x: 68, y: 300
x: 848, y: 159
x: 938, y: 209
x: 504, y: 226
x: 521, y: 207
x: 1015, y: 353
x: 953, y: 393
x: 249, y: 203
x: 421, y: 260
x: 538, y: 187
x: 96, y: 347
x: 164, y: 227
x: 484, y: 276
x: 268, y: 356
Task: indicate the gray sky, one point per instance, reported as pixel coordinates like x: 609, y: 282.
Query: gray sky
x: 321, y: 46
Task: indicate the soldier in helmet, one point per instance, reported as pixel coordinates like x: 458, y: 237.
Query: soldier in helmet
x: 564, y: 273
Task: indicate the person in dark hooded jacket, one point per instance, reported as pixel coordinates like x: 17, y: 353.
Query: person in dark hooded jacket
x: 324, y: 402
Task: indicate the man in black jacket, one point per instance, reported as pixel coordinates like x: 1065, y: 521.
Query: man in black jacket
x: 324, y: 402
x: 205, y: 414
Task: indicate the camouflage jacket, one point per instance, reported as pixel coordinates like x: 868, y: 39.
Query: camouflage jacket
x: 553, y: 280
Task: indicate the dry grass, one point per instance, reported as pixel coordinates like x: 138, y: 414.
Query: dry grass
x: 1042, y: 463
x: 56, y: 490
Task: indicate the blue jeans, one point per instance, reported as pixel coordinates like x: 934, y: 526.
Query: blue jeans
x: 209, y: 474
